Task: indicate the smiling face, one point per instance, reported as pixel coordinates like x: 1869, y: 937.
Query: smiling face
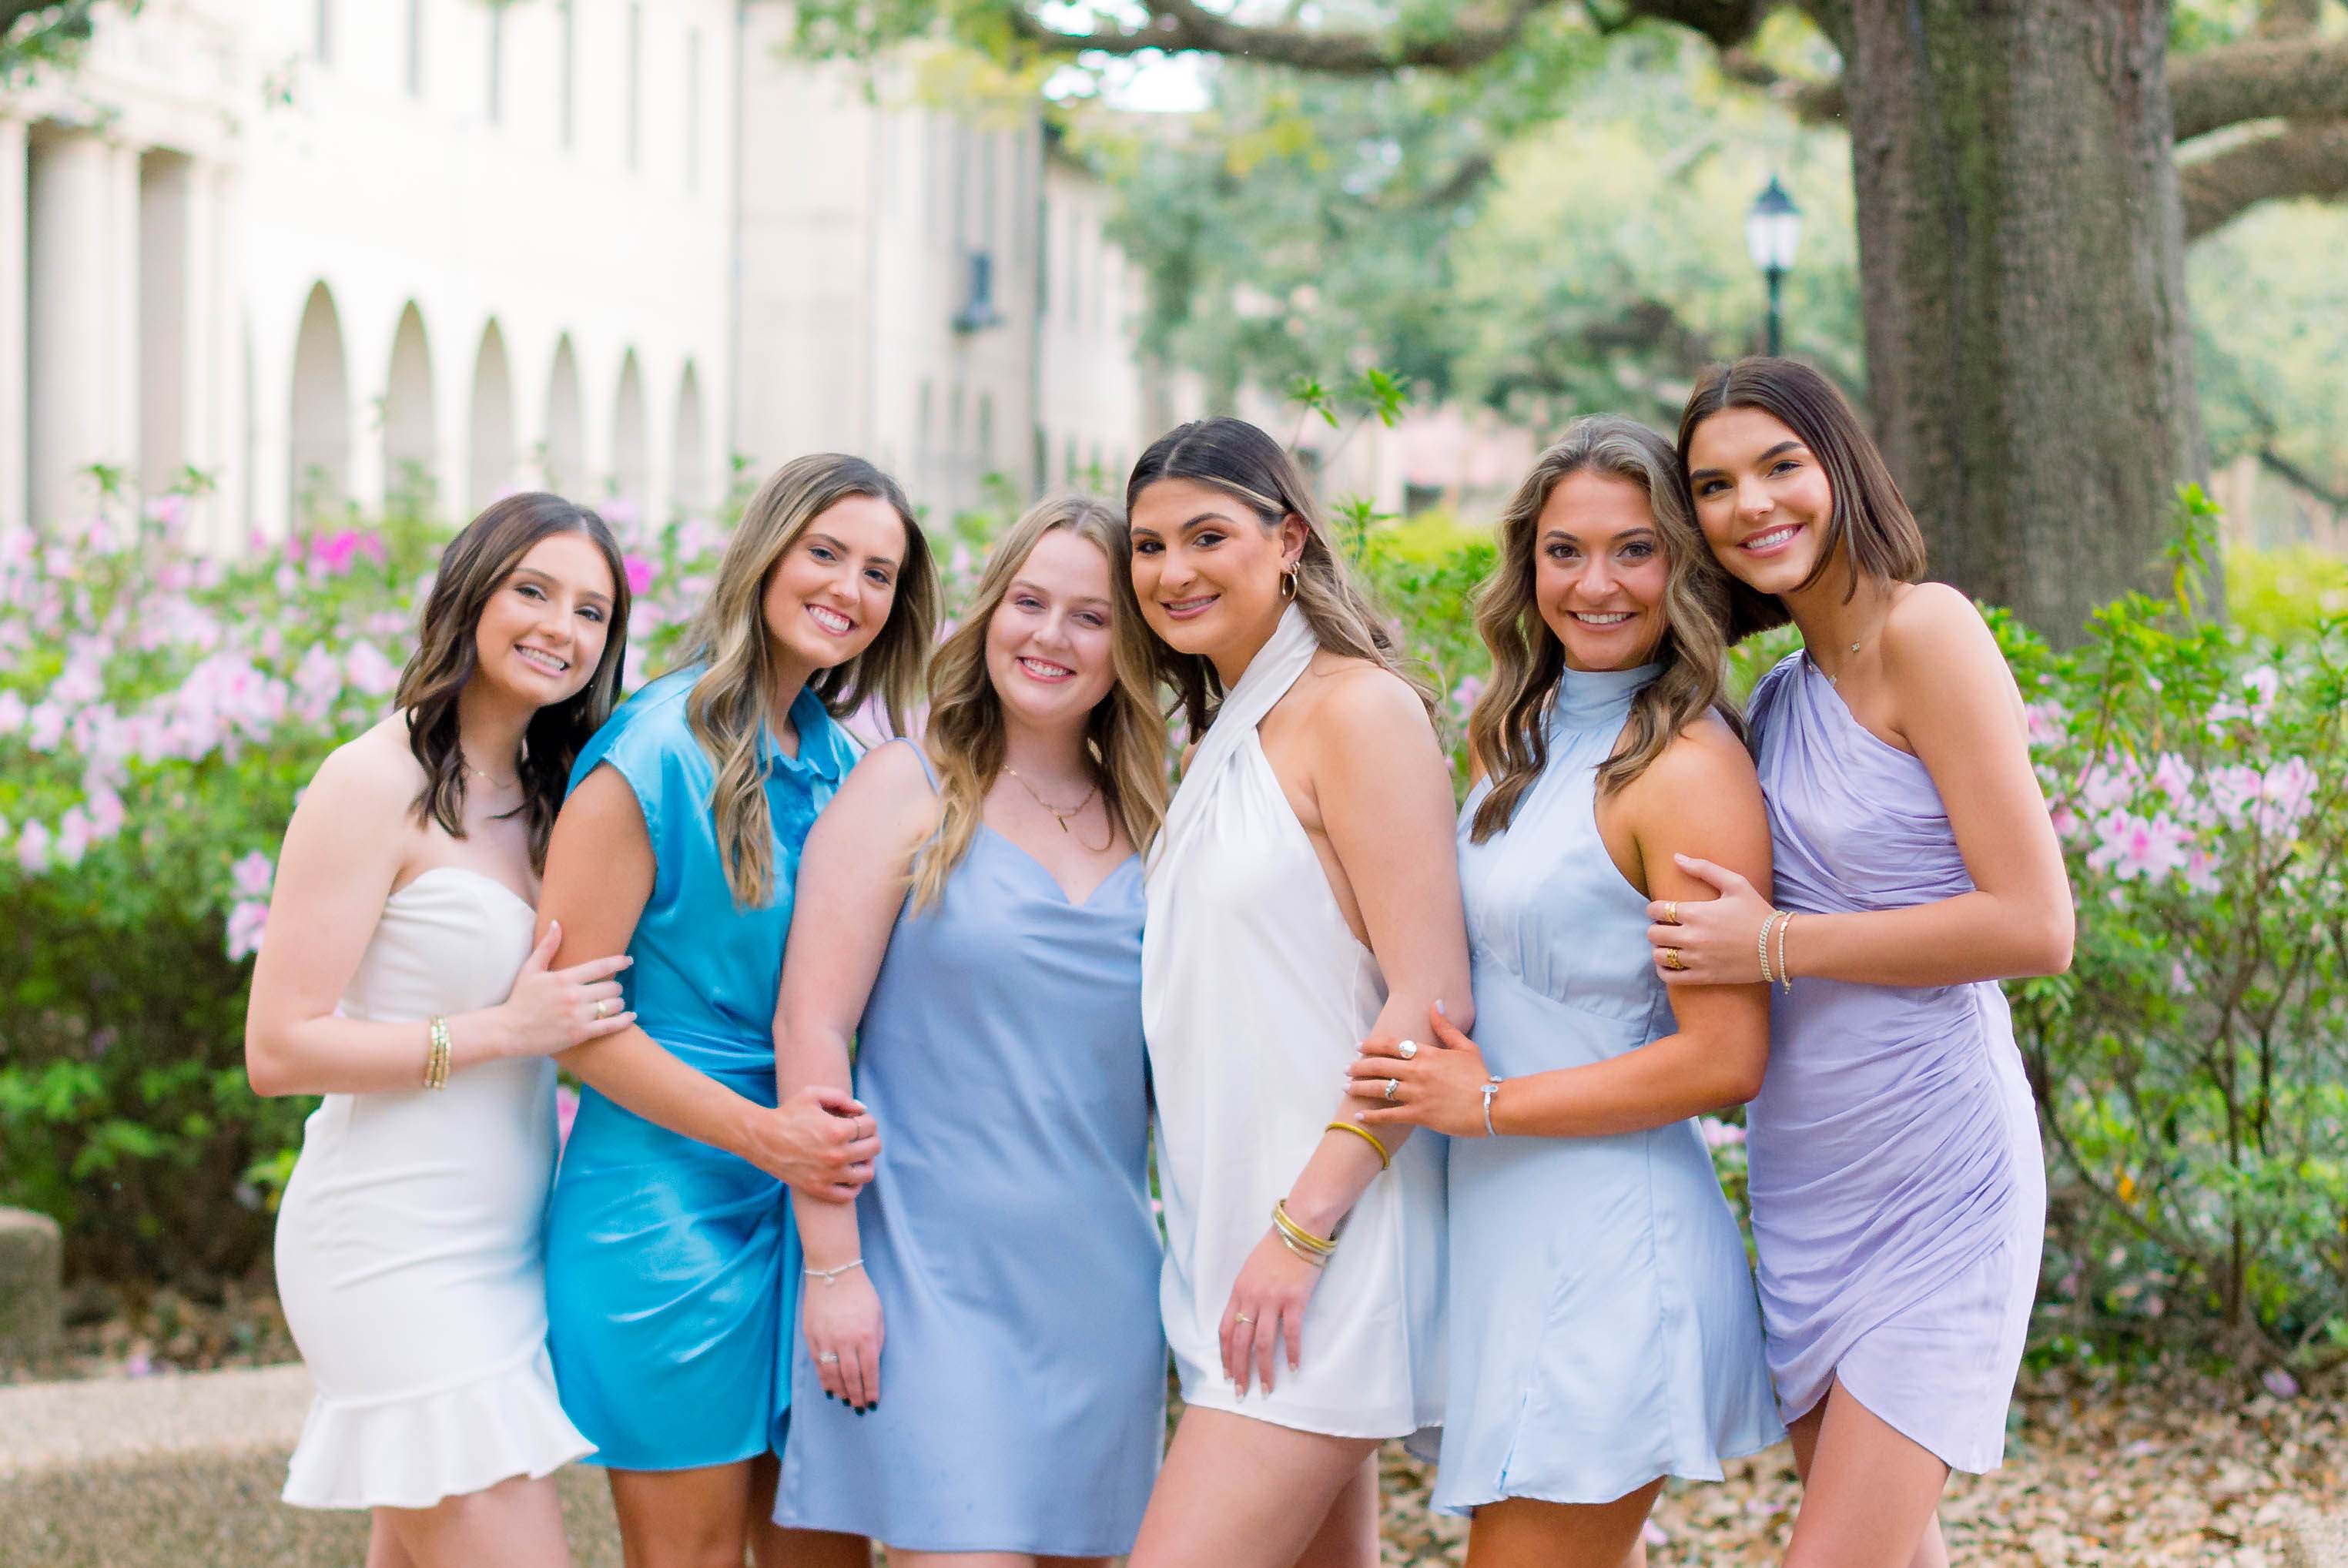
x: 1762, y: 497
x: 1206, y: 570
x: 544, y: 628
x: 1051, y: 645
x: 1599, y: 571
x: 831, y: 593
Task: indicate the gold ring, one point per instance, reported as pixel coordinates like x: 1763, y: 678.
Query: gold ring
x: 1671, y: 912
x: 602, y: 1007
x: 1242, y: 1317
x: 1671, y: 959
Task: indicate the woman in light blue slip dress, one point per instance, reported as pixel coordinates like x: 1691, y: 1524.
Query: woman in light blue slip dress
x: 671, y: 1263
x: 1899, y: 1191
x: 1602, y: 1332
x: 999, y: 1276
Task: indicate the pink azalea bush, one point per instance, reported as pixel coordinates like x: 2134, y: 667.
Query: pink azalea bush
x: 159, y: 711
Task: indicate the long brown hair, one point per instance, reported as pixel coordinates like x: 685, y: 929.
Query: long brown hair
x: 1235, y: 458
x: 728, y: 704
x: 1871, y: 529
x: 1509, y: 728
x: 1125, y: 737
x: 474, y: 566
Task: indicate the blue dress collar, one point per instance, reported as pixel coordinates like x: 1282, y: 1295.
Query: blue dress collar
x: 825, y: 751
x: 1589, y: 698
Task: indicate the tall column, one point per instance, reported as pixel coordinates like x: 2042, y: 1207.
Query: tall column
x: 69, y: 343
x: 122, y: 308
x: 15, y: 150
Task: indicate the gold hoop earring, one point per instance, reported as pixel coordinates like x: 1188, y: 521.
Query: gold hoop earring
x: 1288, y: 583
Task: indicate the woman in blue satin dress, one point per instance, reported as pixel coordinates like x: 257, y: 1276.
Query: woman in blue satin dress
x: 671, y: 1259
x: 999, y: 1275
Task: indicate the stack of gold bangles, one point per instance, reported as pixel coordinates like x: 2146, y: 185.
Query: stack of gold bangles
x: 436, y: 1056
x: 1313, y: 1249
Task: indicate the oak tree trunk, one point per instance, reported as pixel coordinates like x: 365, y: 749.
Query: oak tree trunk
x: 2022, y: 263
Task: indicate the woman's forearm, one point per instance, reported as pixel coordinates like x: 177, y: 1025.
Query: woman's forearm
x: 631, y: 1069
x: 334, y: 1055
x: 1952, y: 941
x: 827, y: 1231
x: 1667, y: 1080
x: 1343, y: 1165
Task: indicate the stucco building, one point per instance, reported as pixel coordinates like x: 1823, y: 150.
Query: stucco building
x: 321, y: 250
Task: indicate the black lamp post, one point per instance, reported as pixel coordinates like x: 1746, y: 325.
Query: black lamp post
x: 1773, y: 230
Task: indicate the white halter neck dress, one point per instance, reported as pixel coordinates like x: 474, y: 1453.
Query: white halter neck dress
x: 1255, y: 995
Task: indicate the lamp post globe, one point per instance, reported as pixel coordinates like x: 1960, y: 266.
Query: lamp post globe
x: 1773, y: 234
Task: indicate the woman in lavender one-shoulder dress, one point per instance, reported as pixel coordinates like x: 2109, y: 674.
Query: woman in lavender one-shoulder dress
x: 1898, y: 1189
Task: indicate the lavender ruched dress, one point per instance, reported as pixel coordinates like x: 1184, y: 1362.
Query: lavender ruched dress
x: 1899, y: 1192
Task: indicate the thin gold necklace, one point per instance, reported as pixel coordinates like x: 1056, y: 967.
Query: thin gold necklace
x: 1058, y: 815
x: 486, y: 778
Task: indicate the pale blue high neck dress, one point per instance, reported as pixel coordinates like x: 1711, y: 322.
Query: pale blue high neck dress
x: 1006, y: 1230
x: 1602, y: 1329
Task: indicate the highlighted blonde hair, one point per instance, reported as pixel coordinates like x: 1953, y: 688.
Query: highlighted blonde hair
x: 1124, y: 735
x: 1509, y: 727
x: 728, y: 705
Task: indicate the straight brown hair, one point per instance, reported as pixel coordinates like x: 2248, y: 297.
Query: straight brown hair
x: 1871, y: 530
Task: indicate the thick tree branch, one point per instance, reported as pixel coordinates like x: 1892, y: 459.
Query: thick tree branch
x: 1813, y: 102
x: 1175, y: 26
x: 2308, y: 159
x: 2264, y: 79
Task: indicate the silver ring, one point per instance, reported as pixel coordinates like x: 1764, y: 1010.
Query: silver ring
x: 1407, y: 1049
x: 829, y: 1359
x: 1393, y: 1087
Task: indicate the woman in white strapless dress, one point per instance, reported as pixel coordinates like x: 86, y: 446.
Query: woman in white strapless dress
x: 398, y: 978
x: 1303, y: 897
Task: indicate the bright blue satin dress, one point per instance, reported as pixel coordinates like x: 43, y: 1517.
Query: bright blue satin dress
x: 670, y: 1266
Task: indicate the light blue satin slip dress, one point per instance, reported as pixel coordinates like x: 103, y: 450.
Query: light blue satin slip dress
x: 1603, y: 1329
x: 670, y: 1266
x: 1007, y: 1232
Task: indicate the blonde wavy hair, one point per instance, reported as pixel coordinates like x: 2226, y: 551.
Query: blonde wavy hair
x: 1125, y: 737
x: 1508, y: 728
x: 728, y: 705
x: 1239, y: 459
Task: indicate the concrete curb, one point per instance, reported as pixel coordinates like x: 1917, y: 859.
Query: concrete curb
x: 184, y: 1471
x: 31, y: 1284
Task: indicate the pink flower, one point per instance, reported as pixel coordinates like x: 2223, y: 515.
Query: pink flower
x: 2173, y: 777
x: 1464, y: 696
x: 11, y: 713
x: 2201, y: 872
x: 73, y: 837
x: 2279, y: 1383
x: 33, y: 848
x: 566, y: 1112
x: 45, y: 726
x: 1719, y: 1134
x: 252, y: 875
x: 2286, y: 795
x: 2129, y: 846
x: 171, y: 510
x: 247, y: 924
x: 639, y: 574
x: 2044, y: 721
x: 105, y: 814
x: 370, y: 670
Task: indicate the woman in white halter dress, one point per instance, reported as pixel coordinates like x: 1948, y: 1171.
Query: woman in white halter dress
x: 398, y: 979
x: 1313, y: 813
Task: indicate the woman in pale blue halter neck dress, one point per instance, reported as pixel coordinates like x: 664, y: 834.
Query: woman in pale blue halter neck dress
x: 671, y: 1259
x: 1601, y: 1325
x: 998, y: 1278
x: 1898, y: 1189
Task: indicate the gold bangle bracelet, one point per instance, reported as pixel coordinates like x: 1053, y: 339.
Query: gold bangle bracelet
x: 1386, y: 1156
x: 1318, y: 1260
x: 1298, y: 1233
x: 436, y: 1052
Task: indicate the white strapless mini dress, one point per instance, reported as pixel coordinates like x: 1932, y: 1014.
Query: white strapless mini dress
x: 411, y: 1241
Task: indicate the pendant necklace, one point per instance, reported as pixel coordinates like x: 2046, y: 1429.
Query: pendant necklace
x: 1058, y: 815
